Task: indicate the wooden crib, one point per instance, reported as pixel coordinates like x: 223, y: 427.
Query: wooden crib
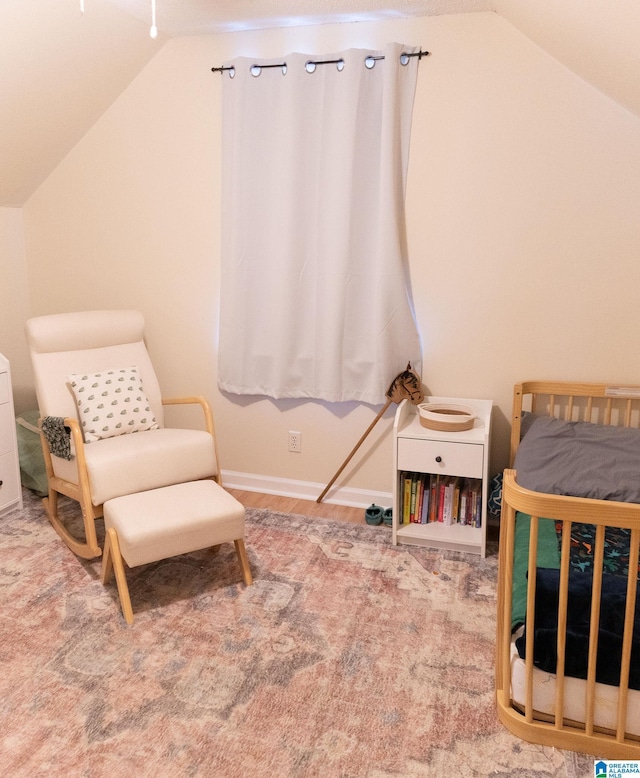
x: 568, y: 643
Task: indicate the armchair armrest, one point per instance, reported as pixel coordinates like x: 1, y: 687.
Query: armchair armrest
x: 76, y: 431
x: 77, y: 440
x: 197, y: 400
x: 77, y: 447
x: 208, y: 419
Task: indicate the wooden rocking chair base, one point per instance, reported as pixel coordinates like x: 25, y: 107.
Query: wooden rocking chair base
x: 85, y: 550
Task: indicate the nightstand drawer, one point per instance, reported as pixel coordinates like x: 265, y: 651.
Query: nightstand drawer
x: 432, y: 456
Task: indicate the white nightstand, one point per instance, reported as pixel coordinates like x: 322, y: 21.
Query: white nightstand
x: 10, y: 488
x: 456, y: 459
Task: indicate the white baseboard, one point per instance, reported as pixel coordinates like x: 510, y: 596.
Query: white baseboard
x: 304, y: 490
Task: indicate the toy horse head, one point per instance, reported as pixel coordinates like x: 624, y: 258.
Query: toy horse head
x: 406, y: 386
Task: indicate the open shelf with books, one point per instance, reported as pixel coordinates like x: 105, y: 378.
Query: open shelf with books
x: 441, y: 480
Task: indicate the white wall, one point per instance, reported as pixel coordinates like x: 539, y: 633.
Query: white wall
x: 523, y: 202
x: 597, y: 40
x: 14, y: 304
x: 55, y: 81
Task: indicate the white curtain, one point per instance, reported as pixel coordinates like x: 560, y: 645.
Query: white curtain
x: 315, y: 293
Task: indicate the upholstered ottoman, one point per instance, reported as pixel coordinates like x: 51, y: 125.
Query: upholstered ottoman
x: 161, y: 523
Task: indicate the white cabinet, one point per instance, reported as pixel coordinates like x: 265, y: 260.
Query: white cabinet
x: 10, y: 488
x: 427, y: 457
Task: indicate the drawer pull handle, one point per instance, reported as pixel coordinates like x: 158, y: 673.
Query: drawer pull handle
x: 438, y: 459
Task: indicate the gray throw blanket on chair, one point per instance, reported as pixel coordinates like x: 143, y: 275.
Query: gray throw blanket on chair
x: 58, y: 436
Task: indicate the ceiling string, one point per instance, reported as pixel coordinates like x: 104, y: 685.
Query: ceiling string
x: 153, y: 32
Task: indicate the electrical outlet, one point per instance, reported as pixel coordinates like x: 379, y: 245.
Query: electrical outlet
x: 295, y: 441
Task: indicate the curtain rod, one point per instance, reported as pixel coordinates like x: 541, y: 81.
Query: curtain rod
x: 311, y: 64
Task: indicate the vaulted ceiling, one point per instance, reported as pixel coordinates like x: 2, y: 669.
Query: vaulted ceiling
x: 62, y: 68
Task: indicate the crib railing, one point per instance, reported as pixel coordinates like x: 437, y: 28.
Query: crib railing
x: 557, y: 729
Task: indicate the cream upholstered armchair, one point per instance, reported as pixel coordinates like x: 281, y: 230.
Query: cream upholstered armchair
x: 94, y: 377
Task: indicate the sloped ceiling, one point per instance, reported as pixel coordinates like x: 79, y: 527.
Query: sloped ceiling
x: 60, y: 71
x: 61, y: 68
x: 599, y: 41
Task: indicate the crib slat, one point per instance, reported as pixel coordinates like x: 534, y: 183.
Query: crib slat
x: 569, y: 408
x: 632, y: 586
x: 530, y: 617
x: 607, y: 413
x: 506, y: 600
x: 563, y: 597
x: 596, y: 593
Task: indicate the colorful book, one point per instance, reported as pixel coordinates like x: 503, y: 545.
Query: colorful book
x: 406, y: 498
x: 426, y: 491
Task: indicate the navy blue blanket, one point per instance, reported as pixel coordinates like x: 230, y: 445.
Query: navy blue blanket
x: 613, y: 600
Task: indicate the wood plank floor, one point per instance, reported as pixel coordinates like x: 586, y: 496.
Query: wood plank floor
x: 311, y: 508
x: 324, y: 510
x: 303, y: 507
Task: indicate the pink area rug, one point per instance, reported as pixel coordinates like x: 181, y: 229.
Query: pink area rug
x: 347, y: 658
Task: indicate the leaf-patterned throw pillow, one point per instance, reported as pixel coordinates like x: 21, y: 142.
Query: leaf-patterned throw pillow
x: 111, y: 403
